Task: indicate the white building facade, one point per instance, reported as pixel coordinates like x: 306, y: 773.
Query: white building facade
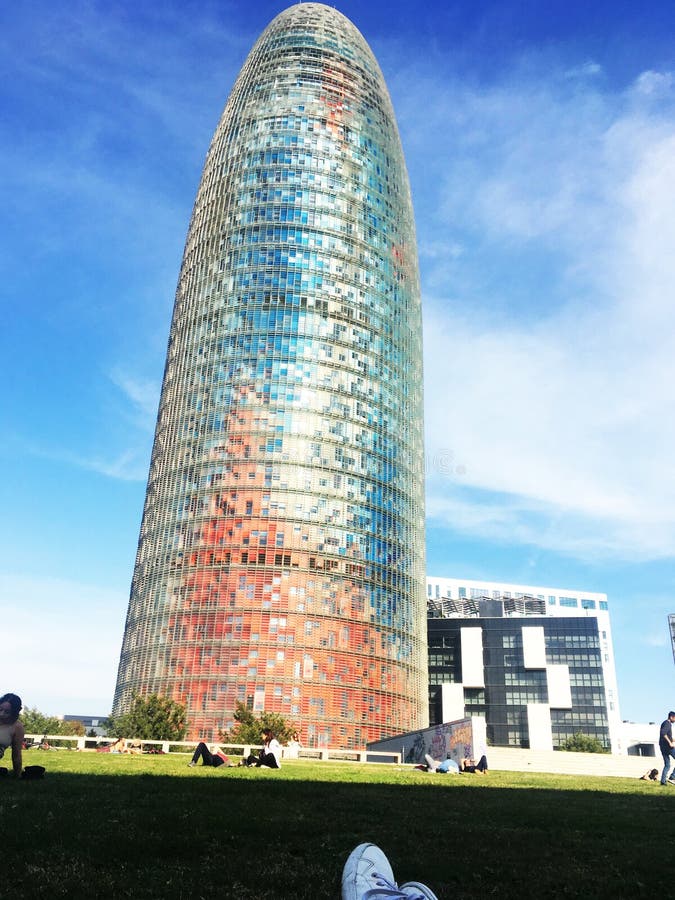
x: 523, y: 673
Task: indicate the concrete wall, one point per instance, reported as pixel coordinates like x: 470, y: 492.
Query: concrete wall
x: 457, y: 739
x: 559, y: 763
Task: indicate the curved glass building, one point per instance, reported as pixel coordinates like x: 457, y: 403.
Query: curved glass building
x: 281, y: 553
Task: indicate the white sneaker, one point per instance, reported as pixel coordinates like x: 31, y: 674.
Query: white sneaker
x: 366, y: 869
x: 367, y: 875
x: 191, y: 764
x: 414, y: 890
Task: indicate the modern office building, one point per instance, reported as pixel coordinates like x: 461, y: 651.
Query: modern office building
x: 95, y: 725
x: 536, y: 662
x: 281, y: 553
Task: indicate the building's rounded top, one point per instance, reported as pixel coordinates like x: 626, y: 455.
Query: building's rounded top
x: 315, y: 14
x: 324, y: 27
x: 308, y: 10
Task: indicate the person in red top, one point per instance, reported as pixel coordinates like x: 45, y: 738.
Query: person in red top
x: 213, y: 757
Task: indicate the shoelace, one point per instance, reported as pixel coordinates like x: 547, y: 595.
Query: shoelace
x: 389, y: 890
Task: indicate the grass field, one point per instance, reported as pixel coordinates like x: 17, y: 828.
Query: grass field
x: 150, y: 827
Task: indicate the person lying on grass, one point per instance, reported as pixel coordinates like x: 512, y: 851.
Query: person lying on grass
x: 11, y: 731
x: 470, y: 765
x: 210, y: 757
x: 122, y: 745
x: 447, y: 766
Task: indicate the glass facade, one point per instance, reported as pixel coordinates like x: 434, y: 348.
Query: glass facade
x: 281, y: 554
x: 510, y: 685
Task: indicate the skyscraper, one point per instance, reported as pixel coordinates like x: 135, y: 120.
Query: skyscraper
x: 281, y: 556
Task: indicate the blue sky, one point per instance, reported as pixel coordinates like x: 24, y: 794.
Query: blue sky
x: 540, y: 141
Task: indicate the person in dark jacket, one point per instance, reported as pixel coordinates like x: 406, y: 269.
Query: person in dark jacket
x: 667, y: 746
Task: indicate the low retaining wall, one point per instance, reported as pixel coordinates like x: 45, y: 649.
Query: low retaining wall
x: 557, y: 762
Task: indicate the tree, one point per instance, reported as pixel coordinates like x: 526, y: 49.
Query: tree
x: 74, y: 727
x: 248, y: 727
x: 583, y: 743
x: 35, y: 722
x: 151, y: 718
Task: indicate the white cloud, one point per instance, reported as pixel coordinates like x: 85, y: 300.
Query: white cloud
x: 61, y: 643
x: 441, y: 250
x: 143, y: 394
x: 130, y: 465
x: 565, y: 410
x: 655, y: 639
x: 585, y: 70
x: 654, y: 82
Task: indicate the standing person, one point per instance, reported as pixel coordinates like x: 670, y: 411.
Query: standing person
x: 270, y: 754
x: 666, y: 745
x: 11, y: 731
x: 213, y: 757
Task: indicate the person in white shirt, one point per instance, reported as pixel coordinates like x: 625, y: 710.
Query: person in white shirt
x: 292, y: 747
x: 270, y: 754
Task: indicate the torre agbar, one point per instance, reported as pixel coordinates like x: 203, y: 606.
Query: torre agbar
x: 281, y: 554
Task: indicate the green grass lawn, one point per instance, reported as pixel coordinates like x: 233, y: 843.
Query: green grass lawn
x: 149, y: 826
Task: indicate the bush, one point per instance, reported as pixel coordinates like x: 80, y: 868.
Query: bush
x: 248, y: 727
x: 152, y: 718
x: 582, y: 743
x: 35, y: 722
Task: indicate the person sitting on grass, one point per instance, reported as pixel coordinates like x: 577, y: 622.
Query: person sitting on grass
x: 270, y: 753
x: 12, y: 731
x: 470, y: 765
x: 209, y: 757
x: 293, y: 746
